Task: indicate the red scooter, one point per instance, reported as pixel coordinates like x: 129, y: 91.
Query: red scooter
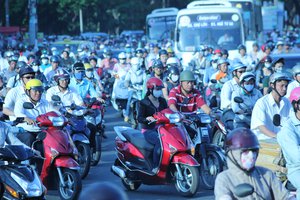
x: 60, y: 168
x: 177, y: 165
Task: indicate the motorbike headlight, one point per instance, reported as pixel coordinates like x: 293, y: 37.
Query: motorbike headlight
x: 174, y: 118
x: 78, y: 112
x: 57, y: 121
x: 32, y: 189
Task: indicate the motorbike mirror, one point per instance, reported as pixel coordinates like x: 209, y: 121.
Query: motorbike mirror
x: 56, y: 98
x: 28, y: 105
x: 238, y: 100
x: 73, y: 106
x: 41, y: 136
x: 213, y: 81
x: 276, y: 120
x: 243, y: 190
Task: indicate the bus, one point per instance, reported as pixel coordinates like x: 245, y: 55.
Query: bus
x: 206, y: 23
x: 160, y: 24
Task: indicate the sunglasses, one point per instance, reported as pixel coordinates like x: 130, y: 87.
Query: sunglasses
x: 28, y: 77
x: 243, y: 71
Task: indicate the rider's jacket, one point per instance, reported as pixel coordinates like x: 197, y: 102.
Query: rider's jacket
x: 12, y: 96
x: 68, y: 97
x: 84, y: 88
x: 194, y: 102
x: 7, y: 136
x: 226, y: 92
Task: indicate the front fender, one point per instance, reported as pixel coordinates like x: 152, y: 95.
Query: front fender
x: 184, y: 158
x: 80, y: 138
x: 66, y: 162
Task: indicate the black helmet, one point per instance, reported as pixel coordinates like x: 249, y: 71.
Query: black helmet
x: 78, y: 66
x: 54, y: 59
x: 241, y: 46
x: 158, y: 64
x: 36, y: 62
x: 139, y: 50
x: 224, y: 52
x: 268, y: 59
x: 162, y: 52
x: 21, y: 64
x: 241, y: 138
x: 107, y: 52
x: 26, y: 70
x: 173, y: 70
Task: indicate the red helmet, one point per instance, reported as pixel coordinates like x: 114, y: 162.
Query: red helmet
x: 241, y: 138
x: 154, y: 83
x: 61, y: 74
x: 295, y: 94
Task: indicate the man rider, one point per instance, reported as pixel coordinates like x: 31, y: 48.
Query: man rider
x: 171, y: 81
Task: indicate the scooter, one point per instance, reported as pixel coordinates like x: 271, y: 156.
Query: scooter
x: 19, y: 181
x: 136, y: 97
x: 119, y: 95
x: 60, y: 168
x: 134, y: 164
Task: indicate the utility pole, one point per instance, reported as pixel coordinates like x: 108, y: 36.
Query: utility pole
x: 80, y: 21
x: 163, y: 3
x: 32, y: 22
x: 7, y: 13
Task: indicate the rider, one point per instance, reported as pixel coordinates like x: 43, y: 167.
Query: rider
x: 25, y: 73
x: 50, y: 71
x: 232, y: 85
x: 15, y: 80
x: 269, y: 105
x: 296, y: 82
x: 289, y: 139
x: 152, y: 103
x: 68, y: 95
x: 250, y: 95
x: 242, y: 149
x: 171, y: 81
x: 34, y: 90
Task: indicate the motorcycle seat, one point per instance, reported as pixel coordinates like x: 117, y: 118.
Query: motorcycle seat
x: 137, y: 139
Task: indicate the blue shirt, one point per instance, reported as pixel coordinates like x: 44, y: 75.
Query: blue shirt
x: 84, y: 88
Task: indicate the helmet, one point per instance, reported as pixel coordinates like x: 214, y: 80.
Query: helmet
x: 158, y: 64
x: 93, y: 58
x: 54, y: 59
x: 61, y: 74
x: 217, y: 51
x: 173, y: 70
x: 139, y: 50
x: 241, y: 46
x: 122, y: 55
x: 241, y: 138
x: 247, y: 76
x: 296, y: 69
x: 25, y: 70
x: 238, y: 65
x: 278, y: 76
x: 36, y: 62
x: 107, y: 52
x: 222, y: 61
x: 295, y: 94
x: 279, y: 43
x: 187, y: 75
x: 78, y: 66
x: 87, y: 66
x: 268, y: 59
x: 44, y: 56
x: 162, y: 52
x: 172, y: 61
x: 154, y: 83
x: 170, y: 50
x: 13, y: 58
x: 278, y: 60
x: 34, y: 84
x: 224, y: 52
x: 201, y: 48
x: 21, y: 64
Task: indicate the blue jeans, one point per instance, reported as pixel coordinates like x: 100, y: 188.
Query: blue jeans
x: 152, y: 137
x: 294, y: 178
x: 127, y: 111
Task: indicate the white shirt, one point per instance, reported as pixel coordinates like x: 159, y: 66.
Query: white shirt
x: 67, y: 98
x: 290, y: 87
x: 263, y: 112
x: 226, y: 92
x: 12, y: 96
x: 13, y: 81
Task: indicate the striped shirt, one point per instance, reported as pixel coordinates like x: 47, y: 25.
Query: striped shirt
x: 194, y: 102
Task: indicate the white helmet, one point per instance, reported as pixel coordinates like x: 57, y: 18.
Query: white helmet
x: 172, y: 61
x: 122, y: 55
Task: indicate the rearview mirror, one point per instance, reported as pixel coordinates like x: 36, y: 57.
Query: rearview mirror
x: 276, y: 120
x: 238, y: 100
x: 243, y: 190
x: 213, y: 81
x: 28, y: 105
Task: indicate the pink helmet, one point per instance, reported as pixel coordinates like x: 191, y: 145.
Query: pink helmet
x: 295, y: 94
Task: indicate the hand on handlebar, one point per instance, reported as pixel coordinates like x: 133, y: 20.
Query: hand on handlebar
x: 101, y: 100
x: 151, y: 119
x: 29, y: 121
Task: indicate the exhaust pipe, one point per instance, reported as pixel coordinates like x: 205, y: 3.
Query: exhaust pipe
x: 118, y: 171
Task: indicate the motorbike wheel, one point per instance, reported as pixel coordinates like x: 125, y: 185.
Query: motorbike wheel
x: 96, y: 154
x: 131, y: 186
x: 214, y: 167
x: 84, y: 158
x: 219, y: 139
x: 72, y: 183
x: 188, y: 185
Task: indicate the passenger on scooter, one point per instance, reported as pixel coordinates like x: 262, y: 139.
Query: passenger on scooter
x: 185, y: 99
x: 242, y: 149
x: 289, y: 139
x: 171, y: 81
x: 269, y: 105
x: 250, y: 95
x: 34, y: 90
x: 18, y: 92
x: 68, y: 95
x: 231, y: 85
x: 152, y: 103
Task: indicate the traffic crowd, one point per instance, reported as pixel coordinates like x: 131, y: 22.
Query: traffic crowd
x: 210, y: 80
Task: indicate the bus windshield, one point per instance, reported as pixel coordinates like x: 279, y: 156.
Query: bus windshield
x: 222, y: 30
x: 161, y: 27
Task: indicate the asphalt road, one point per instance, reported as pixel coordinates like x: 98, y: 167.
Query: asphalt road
x: 102, y: 171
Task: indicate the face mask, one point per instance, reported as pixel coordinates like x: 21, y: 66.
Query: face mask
x: 249, y: 87
x: 157, y: 93
x: 215, y: 65
x: 248, y: 159
x: 78, y: 75
x: 278, y: 69
x: 44, y: 61
x: 89, y: 74
x: 35, y: 68
x: 174, y: 78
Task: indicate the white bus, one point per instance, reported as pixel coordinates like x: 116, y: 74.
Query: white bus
x: 160, y: 24
x: 206, y: 23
